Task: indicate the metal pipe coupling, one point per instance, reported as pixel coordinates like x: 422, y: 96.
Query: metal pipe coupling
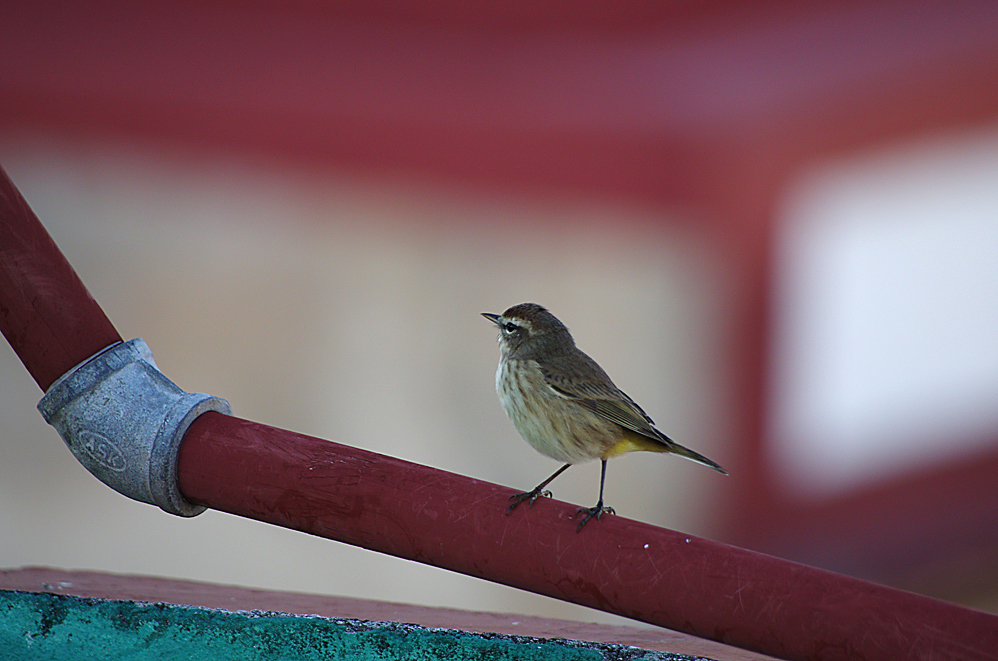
x: 124, y: 421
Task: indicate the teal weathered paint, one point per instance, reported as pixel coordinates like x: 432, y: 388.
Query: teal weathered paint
x: 59, y: 627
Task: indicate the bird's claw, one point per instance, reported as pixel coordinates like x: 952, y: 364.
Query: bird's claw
x: 529, y: 496
x: 596, y: 511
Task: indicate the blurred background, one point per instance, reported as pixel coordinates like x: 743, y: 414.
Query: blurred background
x: 774, y: 224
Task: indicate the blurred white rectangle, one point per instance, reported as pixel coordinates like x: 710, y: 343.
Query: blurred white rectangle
x: 886, y: 317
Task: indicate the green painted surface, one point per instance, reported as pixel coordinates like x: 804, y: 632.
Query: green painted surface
x: 57, y: 627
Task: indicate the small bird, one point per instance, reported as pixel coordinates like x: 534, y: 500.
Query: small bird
x: 565, y: 405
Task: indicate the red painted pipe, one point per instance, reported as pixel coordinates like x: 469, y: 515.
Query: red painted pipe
x: 46, y: 313
x: 637, y: 570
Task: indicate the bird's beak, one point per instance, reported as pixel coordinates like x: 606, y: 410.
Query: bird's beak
x: 494, y: 318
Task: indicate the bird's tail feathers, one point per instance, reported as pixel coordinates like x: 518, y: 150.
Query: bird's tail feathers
x: 692, y: 455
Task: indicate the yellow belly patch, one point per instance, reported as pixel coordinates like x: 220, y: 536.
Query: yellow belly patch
x: 634, y: 443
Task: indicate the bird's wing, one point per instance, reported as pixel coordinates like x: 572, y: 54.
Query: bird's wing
x: 581, y: 380
x: 585, y: 382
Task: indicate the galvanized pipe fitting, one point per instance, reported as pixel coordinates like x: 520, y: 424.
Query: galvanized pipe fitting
x: 124, y: 421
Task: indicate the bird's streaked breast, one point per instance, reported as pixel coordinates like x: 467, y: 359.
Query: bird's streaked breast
x: 553, y: 425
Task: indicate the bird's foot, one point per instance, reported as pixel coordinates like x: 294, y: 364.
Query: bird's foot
x: 596, y: 511
x: 529, y: 496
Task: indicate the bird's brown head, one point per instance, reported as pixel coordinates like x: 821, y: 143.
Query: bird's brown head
x: 528, y: 329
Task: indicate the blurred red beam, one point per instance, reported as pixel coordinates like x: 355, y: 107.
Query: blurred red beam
x: 674, y: 107
x: 410, y: 511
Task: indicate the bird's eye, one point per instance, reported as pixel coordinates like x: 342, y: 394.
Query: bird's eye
x: 510, y: 327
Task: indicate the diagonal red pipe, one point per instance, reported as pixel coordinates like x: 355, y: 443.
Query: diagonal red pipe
x: 652, y: 574
x: 46, y: 313
x: 621, y: 566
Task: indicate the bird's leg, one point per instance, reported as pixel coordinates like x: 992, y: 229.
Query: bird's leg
x: 598, y: 509
x: 533, y: 494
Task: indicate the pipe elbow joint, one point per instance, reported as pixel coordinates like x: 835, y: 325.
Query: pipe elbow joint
x: 124, y: 421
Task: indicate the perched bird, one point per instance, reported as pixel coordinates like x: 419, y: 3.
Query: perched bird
x: 564, y: 404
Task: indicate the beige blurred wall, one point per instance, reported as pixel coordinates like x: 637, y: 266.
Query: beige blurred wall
x: 348, y: 309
